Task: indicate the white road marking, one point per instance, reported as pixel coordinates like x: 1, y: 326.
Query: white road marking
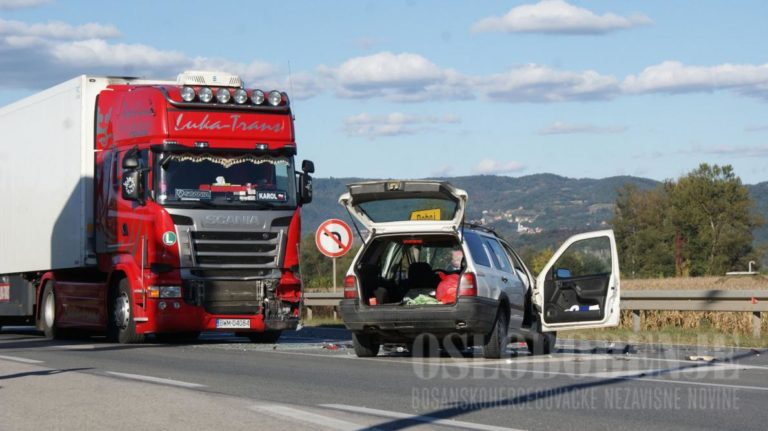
x: 155, y: 380
x: 22, y: 360
x: 281, y: 412
x: 74, y: 347
x: 703, y: 368
x: 416, y: 418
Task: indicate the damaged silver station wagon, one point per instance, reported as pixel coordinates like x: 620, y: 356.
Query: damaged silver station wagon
x: 422, y: 270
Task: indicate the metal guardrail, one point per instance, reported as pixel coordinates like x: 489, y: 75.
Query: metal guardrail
x: 754, y: 301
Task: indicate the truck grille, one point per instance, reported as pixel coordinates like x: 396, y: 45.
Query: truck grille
x: 226, y: 296
x: 236, y: 249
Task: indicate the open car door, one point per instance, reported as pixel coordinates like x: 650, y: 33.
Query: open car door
x: 579, y: 287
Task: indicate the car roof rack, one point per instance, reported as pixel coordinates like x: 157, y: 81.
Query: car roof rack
x: 483, y: 228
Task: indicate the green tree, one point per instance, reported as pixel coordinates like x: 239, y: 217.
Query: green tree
x: 644, y: 233
x: 699, y: 225
x: 712, y: 213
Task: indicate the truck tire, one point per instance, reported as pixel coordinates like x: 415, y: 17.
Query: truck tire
x: 540, y: 343
x: 121, y: 326
x: 48, y: 313
x: 266, y: 337
x: 496, y: 344
x: 366, y: 346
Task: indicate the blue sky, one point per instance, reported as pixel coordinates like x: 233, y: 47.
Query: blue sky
x: 410, y: 89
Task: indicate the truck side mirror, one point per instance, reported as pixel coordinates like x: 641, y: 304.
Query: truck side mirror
x: 305, y: 188
x: 308, y: 166
x: 132, y: 184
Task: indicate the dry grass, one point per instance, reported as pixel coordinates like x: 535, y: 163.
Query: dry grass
x: 732, y: 323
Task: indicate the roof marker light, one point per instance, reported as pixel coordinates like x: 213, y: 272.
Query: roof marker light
x: 201, y: 144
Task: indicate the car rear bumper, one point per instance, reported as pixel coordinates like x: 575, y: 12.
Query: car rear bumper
x: 469, y: 316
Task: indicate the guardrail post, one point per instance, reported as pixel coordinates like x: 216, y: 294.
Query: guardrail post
x: 757, y: 322
x: 635, y: 320
x: 335, y: 314
x: 309, y: 312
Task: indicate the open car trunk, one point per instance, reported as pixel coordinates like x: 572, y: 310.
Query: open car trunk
x: 408, y: 270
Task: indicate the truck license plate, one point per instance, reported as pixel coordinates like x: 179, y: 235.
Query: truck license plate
x: 233, y: 323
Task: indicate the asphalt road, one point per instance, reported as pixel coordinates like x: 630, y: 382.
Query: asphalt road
x: 311, y: 379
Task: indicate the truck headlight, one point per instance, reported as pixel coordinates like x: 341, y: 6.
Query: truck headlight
x: 205, y: 94
x: 187, y: 94
x: 165, y: 291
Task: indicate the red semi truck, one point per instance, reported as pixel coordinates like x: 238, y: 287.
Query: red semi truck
x: 136, y: 207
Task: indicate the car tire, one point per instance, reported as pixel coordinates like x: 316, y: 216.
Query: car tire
x: 496, y: 342
x: 48, y: 313
x: 366, y: 346
x: 266, y: 337
x: 121, y: 326
x: 540, y: 343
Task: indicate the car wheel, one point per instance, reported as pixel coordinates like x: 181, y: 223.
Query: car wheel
x: 366, y: 346
x: 266, y: 337
x: 496, y: 344
x: 121, y: 326
x: 540, y: 343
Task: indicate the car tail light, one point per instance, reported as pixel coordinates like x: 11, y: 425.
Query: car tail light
x: 350, y: 287
x: 468, y: 285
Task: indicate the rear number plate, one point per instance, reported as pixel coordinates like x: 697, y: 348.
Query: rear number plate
x: 233, y: 323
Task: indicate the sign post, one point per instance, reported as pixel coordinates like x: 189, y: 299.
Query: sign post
x: 334, y: 239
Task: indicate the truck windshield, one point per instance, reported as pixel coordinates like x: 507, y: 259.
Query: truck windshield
x: 240, y: 180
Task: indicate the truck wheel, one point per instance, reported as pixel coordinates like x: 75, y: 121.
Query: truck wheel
x: 121, y: 326
x: 266, y: 337
x: 366, y: 346
x: 496, y: 346
x: 540, y: 343
x: 48, y: 313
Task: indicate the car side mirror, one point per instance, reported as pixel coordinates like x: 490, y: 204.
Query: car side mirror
x: 308, y: 166
x: 563, y: 273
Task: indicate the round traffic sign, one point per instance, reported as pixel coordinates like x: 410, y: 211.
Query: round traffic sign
x: 333, y: 238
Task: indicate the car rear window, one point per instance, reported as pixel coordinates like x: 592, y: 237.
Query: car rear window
x: 409, y: 209
x: 476, y: 249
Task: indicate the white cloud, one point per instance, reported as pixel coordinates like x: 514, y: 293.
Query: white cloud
x: 756, y: 128
x: 496, y: 167
x: 398, y: 77
x: 563, y: 128
x: 394, y: 124
x: 675, y: 77
x: 38, y: 55
x: 557, y: 16
x: 21, y: 4
x: 58, y: 30
x: 730, y: 150
x: 535, y: 83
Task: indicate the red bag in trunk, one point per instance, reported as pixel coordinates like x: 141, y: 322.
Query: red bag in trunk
x: 446, y: 290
